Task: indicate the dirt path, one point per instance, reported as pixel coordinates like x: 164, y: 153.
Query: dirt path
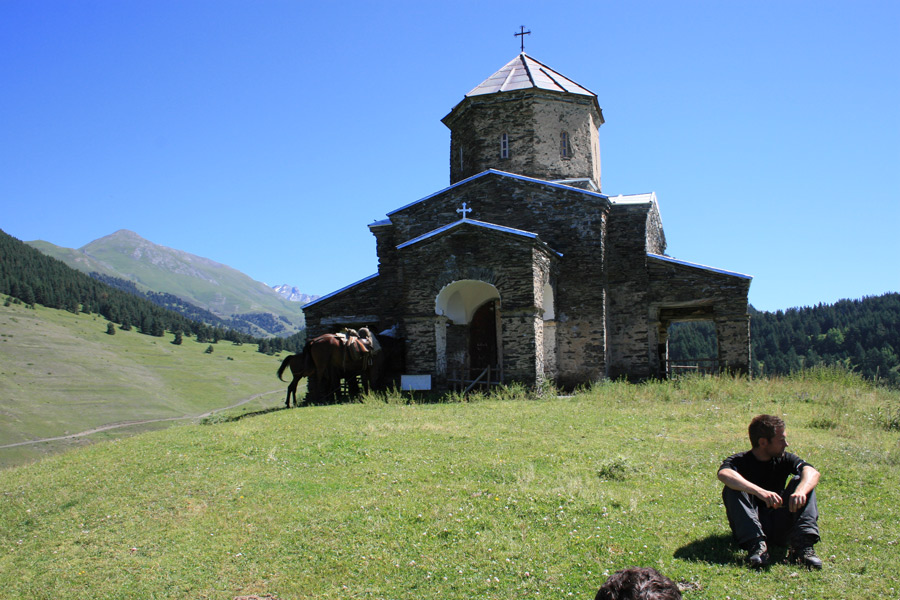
x: 144, y: 422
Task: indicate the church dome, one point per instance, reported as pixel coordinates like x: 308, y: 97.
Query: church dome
x: 527, y: 119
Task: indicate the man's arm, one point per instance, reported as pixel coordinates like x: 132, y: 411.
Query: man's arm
x: 809, y: 477
x: 736, y: 481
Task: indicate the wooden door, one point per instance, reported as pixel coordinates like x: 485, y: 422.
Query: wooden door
x: 483, y: 337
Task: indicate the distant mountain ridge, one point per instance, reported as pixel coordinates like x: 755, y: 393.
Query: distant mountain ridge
x: 218, y: 288
x: 293, y: 294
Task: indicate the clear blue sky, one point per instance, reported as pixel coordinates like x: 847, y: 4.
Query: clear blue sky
x: 268, y: 135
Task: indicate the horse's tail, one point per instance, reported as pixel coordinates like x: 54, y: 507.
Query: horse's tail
x: 284, y: 365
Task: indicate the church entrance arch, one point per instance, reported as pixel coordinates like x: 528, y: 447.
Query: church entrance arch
x: 468, y: 338
x: 459, y: 300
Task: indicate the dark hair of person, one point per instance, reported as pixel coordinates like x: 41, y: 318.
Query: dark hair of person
x: 638, y: 583
x: 763, y: 426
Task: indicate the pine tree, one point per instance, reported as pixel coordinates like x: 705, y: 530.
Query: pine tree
x: 157, y: 329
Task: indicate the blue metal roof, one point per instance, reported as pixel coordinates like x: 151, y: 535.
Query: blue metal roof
x: 343, y: 289
x: 698, y: 266
x: 502, y: 174
x: 455, y: 224
x: 491, y: 226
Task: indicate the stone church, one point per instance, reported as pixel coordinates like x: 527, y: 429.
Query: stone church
x: 523, y: 264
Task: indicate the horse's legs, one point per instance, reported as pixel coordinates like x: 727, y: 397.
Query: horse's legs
x: 292, y: 391
x: 326, y: 387
x: 367, y: 378
x: 335, y: 387
x: 352, y: 386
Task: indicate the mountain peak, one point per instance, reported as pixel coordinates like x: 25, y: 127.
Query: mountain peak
x: 126, y: 234
x: 202, y: 282
x: 120, y: 236
x: 292, y: 293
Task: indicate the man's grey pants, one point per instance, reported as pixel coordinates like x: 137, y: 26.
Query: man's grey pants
x: 751, y: 519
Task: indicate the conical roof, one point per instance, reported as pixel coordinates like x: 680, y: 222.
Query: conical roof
x: 524, y: 72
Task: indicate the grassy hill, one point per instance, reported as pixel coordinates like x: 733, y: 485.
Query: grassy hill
x: 200, y: 281
x: 61, y: 374
x: 504, y: 498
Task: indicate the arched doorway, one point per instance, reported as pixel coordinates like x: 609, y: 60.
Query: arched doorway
x: 467, y: 335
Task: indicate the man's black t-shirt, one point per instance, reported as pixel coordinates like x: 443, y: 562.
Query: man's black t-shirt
x: 770, y: 475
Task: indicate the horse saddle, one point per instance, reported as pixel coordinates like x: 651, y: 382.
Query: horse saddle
x: 356, y: 348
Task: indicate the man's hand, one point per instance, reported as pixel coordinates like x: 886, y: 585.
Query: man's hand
x: 772, y: 499
x: 736, y: 481
x: 809, y: 478
x: 796, y: 501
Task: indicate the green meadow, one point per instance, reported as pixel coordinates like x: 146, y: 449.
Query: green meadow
x: 62, y: 374
x: 509, y: 496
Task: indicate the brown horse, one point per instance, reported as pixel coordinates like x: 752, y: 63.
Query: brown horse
x: 301, y: 367
x: 342, y: 356
x: 330, y: 358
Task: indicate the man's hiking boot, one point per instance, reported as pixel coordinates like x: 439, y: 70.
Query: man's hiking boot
x: 805, y: 555
x: 759, y: 554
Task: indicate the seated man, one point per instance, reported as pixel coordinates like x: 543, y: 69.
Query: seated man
x: 637, y: 583
x: 762, y: 506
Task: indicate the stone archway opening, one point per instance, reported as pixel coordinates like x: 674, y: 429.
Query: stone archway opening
x: 692, y: 347
x: 459, y: 300
x: 687, y: 341
x: 468, y: 334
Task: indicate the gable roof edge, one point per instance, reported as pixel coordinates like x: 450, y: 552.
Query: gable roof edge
x: 685, y: 263
x: 502, y: 174
x: 480, y: 224
x: 343, y: 289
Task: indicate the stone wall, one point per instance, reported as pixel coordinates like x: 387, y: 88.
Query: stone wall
x: 676, y: 284
x: 686, y: 292
x: 508, y: 262
x: 533, y: 121
x: 733, y: 335
x: 608, y: 293
x: 629, y: 336
x: 389, y: 275
x: 357, y: 306
x: 571, y: 222
x: 655, y: 236
x: 551, y: 369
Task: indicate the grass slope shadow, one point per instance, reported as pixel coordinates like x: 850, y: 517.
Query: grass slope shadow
x: 718, y: 549
x: 225, y: 417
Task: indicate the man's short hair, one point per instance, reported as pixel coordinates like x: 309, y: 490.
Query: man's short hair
x: 637, y: 583
x: 763, y: 426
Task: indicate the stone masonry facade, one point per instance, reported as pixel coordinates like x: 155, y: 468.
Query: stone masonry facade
x: 523, y: 264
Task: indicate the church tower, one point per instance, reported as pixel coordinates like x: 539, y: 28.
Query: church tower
x: 527, y: 119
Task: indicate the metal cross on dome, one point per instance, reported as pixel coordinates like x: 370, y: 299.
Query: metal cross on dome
x: 522, y: 33
x: 464, y: 210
